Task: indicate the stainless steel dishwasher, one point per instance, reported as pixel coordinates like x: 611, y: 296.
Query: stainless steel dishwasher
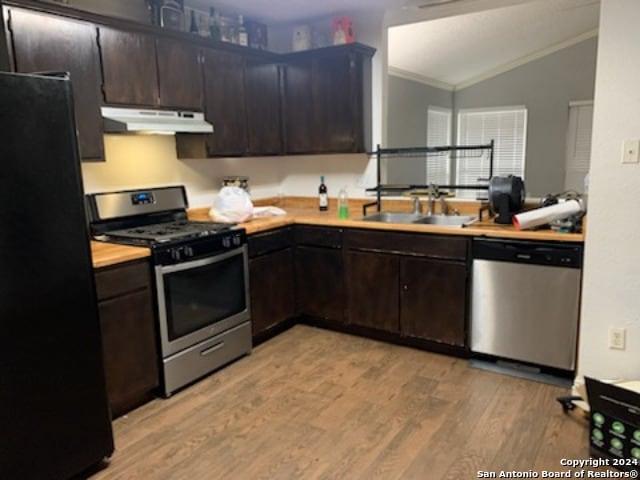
x: 525, y: 301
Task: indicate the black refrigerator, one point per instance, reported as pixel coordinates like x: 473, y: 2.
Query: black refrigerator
x: 54, y: 416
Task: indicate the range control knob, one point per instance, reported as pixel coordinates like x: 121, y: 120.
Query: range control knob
x: 226, y: 242
x: 188, y: 252
x: 176, y: 254
x: 236, y: 240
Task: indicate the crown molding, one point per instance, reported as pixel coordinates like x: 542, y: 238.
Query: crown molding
x: 416, y: 77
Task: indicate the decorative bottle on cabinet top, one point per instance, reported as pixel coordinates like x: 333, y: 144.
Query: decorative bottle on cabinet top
x: 243, y: 37
x: 214, y: 24
x: 194, y: 23
x: 323, y: 198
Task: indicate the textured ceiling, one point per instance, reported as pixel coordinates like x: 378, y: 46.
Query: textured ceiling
x: 275, y: 12
x: 458, y: 49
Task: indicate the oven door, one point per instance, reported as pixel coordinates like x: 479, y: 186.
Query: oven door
x: 201, y: 298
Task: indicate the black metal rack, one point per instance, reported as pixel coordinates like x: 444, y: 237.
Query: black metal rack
x: 470, y: 150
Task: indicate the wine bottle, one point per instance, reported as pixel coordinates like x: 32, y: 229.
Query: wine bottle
x: 194, y: 24
x: 322, y: 195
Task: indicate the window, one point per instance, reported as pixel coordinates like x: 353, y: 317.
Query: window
x: 507, y: 126
x: 438, y: 134
x: 578, y: 145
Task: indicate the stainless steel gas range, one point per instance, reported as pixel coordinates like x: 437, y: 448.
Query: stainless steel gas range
x: 201, y: 278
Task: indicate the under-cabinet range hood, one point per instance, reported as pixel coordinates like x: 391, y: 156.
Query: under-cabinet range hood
x: 132, y: 120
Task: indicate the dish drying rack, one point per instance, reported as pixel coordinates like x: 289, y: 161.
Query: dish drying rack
x: 466, y: 151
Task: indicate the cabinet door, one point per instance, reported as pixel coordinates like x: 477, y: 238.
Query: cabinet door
x: 334, y: 103
x: 433, y: 300
x: 272, y: 289
x: 373, y: 290
x: 225, y: 103
x: 48, y: 43
x: 320, y: 282
x: 129, y: 67
x: 262, y: 105
x: 129, y: 344
x: 4, y: 51
x: 298, y: 107
x: 179, y: 75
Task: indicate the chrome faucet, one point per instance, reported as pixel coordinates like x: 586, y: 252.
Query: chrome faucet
x: 417, y: 206
x: 444, y: 206
x: 433, y: 194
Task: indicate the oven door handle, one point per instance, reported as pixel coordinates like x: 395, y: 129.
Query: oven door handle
x: 215, y: 258
x: 210, y: 350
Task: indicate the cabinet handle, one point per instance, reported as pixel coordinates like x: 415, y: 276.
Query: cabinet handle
x: 210, y: 350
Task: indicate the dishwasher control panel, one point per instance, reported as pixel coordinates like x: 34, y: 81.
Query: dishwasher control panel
x: 536, y: 253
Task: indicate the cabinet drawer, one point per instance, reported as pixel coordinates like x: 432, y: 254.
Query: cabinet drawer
x: 319, y: 236
x: 266, y: 242
x: 120, y: 279
x: 436, y: 246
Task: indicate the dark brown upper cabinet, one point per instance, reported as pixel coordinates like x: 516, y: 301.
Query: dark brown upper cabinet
x: 297, y: 107
x: 335, y: 102
x: 46, y: 43
x: 327, y: 98
x: 225, y: 103
x: 180, y: 74
x: 129, y: 67
x: 262, y: 105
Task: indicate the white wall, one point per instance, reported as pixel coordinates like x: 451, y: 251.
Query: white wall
x: 611, y: 283
x: 138, y: 161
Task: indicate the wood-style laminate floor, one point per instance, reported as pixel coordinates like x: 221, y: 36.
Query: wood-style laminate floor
x: 315, y: 404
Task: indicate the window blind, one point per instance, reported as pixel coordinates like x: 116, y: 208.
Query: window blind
x: 507, y: 126
x: 578, y: 145
x: 438, y: 134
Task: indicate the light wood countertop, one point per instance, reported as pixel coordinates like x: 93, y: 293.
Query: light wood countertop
x: 302, y: 210
x: 105, y: 254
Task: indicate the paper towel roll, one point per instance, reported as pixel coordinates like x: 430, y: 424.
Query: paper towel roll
x: 540, y: 216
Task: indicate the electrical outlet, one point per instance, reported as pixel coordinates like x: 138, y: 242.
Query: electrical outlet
x: 617, y: 337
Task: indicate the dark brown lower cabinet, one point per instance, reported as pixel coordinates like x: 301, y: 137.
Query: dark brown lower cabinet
x: 128, y: 334
x: 272, y: 290
x: 410, y: 284
x: 372, y: 290
x: 320, y: 282
x: 433, y: 300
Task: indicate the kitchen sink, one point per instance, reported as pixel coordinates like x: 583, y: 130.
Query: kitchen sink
x: 393, y: 217
x: 446, y: 220
x: 418, y: 218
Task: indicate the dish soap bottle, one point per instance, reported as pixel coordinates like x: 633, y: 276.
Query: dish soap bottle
x: 343, y: 203
x: 322, y: 196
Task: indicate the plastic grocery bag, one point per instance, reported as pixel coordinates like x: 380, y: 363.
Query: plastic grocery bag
x: 232, y: 205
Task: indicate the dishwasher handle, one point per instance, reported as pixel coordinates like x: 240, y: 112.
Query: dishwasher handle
x: 534, y: 253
